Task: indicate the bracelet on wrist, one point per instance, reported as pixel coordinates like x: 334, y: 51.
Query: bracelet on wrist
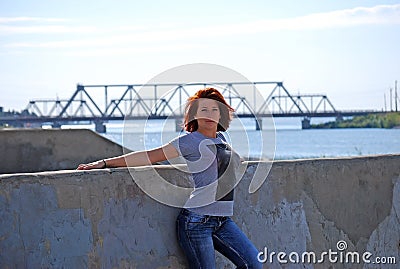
x: 105, y: 164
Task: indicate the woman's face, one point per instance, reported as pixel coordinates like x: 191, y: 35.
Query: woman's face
x: 208, y: 113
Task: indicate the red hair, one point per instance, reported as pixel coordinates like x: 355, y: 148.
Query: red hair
x: 190, y: 123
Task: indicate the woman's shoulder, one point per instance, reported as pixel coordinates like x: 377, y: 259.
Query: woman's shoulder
x: 183, y: 138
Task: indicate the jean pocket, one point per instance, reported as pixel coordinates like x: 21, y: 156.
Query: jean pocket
x: 196, y: 224
x: 197, y: 219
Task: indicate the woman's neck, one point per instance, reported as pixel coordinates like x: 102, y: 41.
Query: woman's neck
x: 208, y: 133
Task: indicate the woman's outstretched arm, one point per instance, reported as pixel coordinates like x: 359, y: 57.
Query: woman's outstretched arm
x: 137, y: 158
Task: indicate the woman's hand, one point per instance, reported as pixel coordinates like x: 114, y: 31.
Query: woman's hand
x: 94, y: 165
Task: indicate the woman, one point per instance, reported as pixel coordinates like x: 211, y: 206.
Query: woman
x: 204, y: 224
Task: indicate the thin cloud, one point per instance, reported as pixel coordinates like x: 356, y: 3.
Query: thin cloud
x: 383, y: 14
x: 30, y: 19
x: 134, y: 50
x: 46, y: 29
x: 378, y: 15
x: 40, y: 25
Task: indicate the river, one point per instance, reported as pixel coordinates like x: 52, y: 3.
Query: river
x: 285, y: 141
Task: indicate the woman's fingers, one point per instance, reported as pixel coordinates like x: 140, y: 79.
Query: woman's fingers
x: 94, y: 165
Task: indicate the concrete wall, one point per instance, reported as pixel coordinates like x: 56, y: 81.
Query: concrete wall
x: 101, y: 219
x: 35, y: 150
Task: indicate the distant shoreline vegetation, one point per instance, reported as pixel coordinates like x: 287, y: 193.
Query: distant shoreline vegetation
x: 387, y: 120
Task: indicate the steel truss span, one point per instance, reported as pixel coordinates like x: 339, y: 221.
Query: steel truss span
x: 103, y: 103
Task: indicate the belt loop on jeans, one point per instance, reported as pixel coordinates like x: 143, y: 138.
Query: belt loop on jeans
x: 185, y: 212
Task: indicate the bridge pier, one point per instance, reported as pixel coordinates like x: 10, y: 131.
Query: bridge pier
x: 305, y: 123
x: 178, y: 125
x: 100, y: 127
x: 258, y: 123
x: 56, y: 125
x: 339, y: 118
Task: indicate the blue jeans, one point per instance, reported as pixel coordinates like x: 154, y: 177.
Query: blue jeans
x: 199, y: 235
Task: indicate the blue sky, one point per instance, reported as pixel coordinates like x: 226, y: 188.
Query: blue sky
x: 346, y: 49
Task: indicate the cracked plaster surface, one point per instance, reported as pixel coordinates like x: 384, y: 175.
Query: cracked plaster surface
x: 302, y: 206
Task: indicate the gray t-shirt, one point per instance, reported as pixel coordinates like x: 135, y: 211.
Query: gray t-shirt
x: 209, y: 159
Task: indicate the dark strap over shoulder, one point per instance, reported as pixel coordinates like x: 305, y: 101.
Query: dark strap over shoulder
x: 221, y: 135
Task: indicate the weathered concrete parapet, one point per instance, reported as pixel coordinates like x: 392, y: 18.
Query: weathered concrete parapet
x: 101, y: 219
x: 37, y: 150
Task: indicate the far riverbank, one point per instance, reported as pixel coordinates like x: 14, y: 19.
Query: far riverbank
x: 387, y: 121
